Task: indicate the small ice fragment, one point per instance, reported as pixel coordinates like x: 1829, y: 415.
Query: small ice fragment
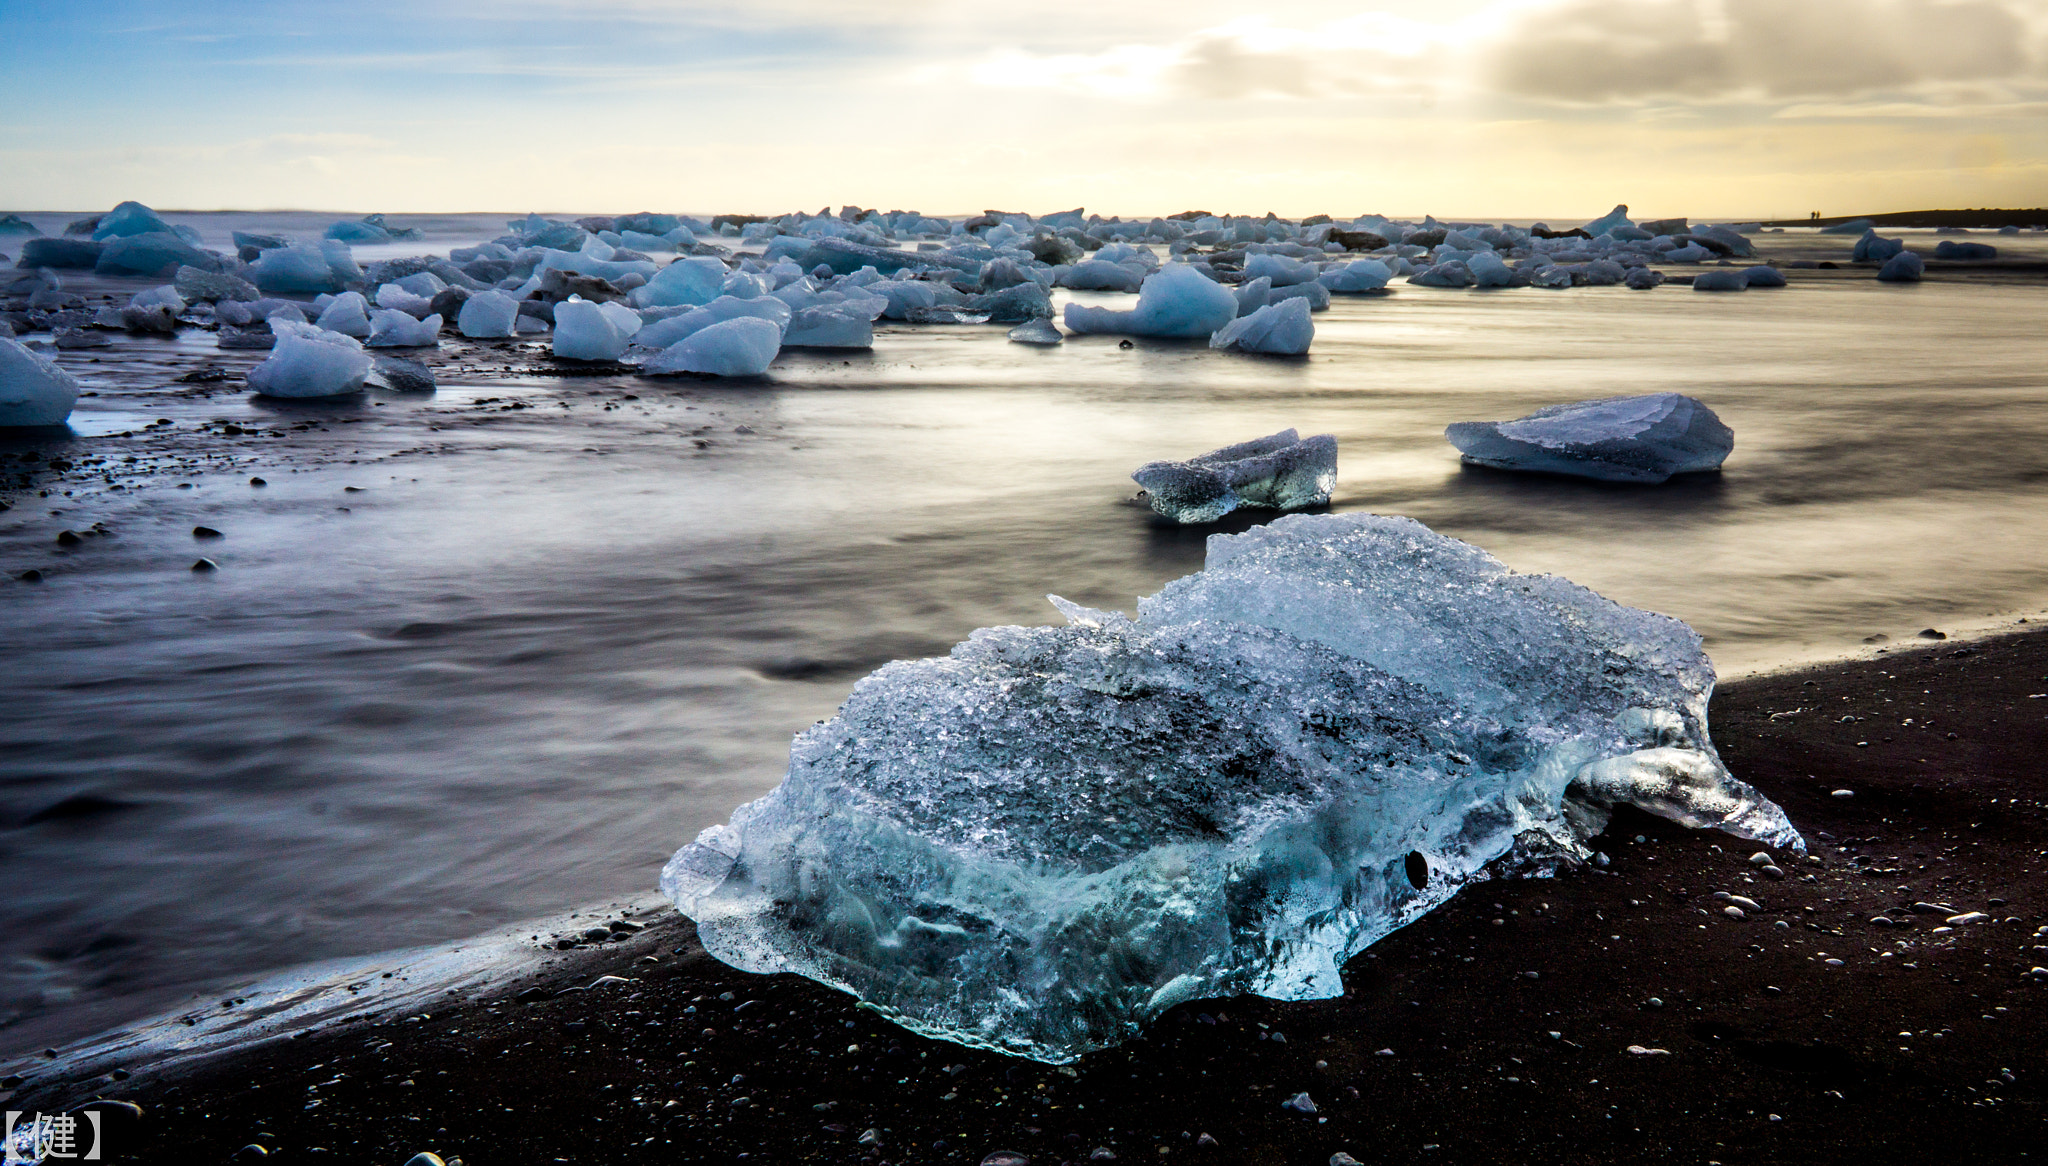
x: 1617, y: 439
x: 33, y: 390
x: 1041, y: 332
x: 310, y: 361
x: 1281, y: 472
x: 1641, y: 1051
x: 1642, y: 278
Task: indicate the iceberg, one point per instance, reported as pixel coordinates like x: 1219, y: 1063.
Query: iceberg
x: 310, y: 361
x: 33, y: 390
x: 1046, y: 839
x: 588, y: 331
x: 487, y: 315
x: 1617, y: 439
x: 1281, y: 472
x: 1176, y: 301
x: 1282, y: 329
x: 391, y: 328
x: 741, y: 346
x: 1618, y: 217
x: 128, y: 219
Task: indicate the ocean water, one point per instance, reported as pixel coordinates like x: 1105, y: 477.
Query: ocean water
x: 534, y: 650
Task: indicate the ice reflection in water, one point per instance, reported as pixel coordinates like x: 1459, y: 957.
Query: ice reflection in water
x: 515, y: 674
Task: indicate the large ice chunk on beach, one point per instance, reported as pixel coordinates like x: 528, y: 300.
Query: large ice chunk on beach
x: 1616, y: 439
x: 1176, y: 301
x: 1281, y: 472
x: 33, y: 390
x: 1047, y: 838
x: 310, y: 361
x: 490, y: 314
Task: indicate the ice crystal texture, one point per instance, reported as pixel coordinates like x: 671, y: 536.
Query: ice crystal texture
x: 1281, y: 472
x: 1045, y: 839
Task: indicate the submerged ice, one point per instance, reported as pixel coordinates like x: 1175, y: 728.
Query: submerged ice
x: 1047, y: 838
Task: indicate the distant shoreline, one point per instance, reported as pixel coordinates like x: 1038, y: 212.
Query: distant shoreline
x: 1987, y: 219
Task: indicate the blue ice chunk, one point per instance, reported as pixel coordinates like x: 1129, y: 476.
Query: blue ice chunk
x: 1764, y: 276
x: 59, y: 252
x: 1281, y: 472
x: 130, y: 218
x: 1950, y: 249
x: 1616, y: 439
x: 1042, y: 841
x: 151, y: 254
x: 1721, y: 279
x: 694, y: 280
x: 1871, y: 248
x: 1850, y: 227
x: 295, y: 269
x: 741, y: 346
x: 309, y: 361
x: 33, y: 390
x: 1282, y: 329
x: 1618, y: 217
x: 1905, y: 267
x: 1176, y: 302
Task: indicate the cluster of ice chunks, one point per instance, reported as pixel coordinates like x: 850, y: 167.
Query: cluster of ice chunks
x: 33, y: 390
x: 1044, y: 840
x: 310, y: 361
x: 1281, y: 472
x: 1643, y: 439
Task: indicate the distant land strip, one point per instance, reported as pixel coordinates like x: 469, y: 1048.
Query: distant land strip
x: 1992, y: 218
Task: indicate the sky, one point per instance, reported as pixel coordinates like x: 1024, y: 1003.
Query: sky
x: 1723, y: 109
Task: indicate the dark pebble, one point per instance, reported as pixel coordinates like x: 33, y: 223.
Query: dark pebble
x: 258, y: 482
x: 205, y: 565
x: 68, y: 538
x: 1931, y: 634
x: 205, y: 532
x: 30, y: 576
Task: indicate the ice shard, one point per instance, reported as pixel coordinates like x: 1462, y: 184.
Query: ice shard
x: 1047, y: 838
x: 1281, y: 472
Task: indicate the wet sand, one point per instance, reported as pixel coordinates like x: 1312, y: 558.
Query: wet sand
x: 1502, y: 1027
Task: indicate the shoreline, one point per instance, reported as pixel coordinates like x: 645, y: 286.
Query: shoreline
x: 1768, y: 1047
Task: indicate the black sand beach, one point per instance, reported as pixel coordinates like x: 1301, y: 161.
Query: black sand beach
x: 1607, y: 1015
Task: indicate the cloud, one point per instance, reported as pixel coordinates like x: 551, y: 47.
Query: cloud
x: 1607, y: 51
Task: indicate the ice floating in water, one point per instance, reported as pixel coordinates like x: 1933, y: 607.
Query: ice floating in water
x: 33, y: 390
x: 1618, y: 439
x: 1723, y: 279
x: 587, y: 331
x: 1281, y: 472
x: 310, y: 361
x: 1950, y: 249
x: 488, y: 315
x: 1176, y: 301
x: 1873, y: 249
x: 1044, y: 840
x: 1905, y: 267
x: 1282, y: 329
x: 741, y: 346
x: 1039, y: 332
